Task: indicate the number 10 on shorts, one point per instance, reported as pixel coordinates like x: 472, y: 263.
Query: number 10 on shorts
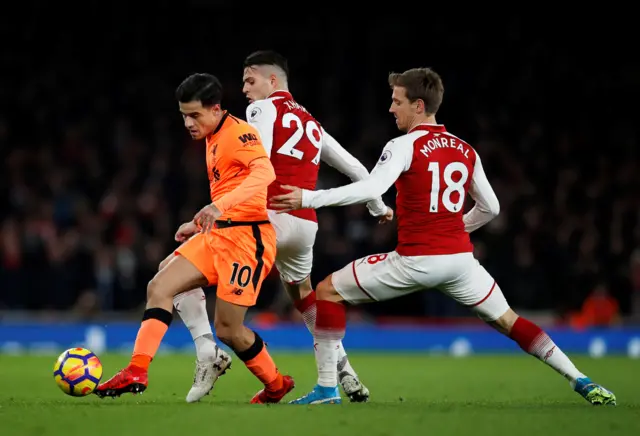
x: 241, y: 274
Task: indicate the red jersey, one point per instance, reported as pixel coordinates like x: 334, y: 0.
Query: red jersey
x: 433, y: 171
x: 293, y: 139
x: 431, y: 193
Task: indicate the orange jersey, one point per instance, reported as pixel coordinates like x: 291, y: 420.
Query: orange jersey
x: 231, y: 149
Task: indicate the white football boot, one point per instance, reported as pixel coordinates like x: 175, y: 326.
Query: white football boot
x: 206, y: 374
x: 352, y: 387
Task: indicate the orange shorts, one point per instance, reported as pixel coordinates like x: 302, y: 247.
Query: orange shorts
x: 236, y: 257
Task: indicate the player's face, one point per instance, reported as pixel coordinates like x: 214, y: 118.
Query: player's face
x: 402, y: 108
x: 256, y: 86
x: 199, y: 120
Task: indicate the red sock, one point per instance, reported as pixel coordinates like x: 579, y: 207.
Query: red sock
x: 330, y: 327
x: 307, y: 307
x: 331, y: 320
x: 530, y: 337
x: 536, y: 342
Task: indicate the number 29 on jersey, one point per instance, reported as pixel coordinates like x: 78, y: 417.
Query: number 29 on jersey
x: 309, y: 132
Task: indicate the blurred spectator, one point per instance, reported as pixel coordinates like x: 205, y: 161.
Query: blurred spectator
x: 634, y: 268
x: 599, y: 309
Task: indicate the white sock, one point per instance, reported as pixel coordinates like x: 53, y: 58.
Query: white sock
x: 344, y: 364
x: 537, y: 342
x: 561, y: 363
x: 206, y: 347
x: 309, y: 317
x: 192, y: 308
x: 327, y: 360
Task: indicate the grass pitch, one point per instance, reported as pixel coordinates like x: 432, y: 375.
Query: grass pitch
x: 410, y: 395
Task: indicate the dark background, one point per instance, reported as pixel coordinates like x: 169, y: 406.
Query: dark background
x: 98, y: 171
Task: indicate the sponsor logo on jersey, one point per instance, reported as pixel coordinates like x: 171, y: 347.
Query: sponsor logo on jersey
x: 248, y: 139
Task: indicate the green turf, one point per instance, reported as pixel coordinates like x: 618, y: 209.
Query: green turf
x: 411, y: 395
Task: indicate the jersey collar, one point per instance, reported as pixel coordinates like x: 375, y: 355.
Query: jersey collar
x: 429, y: 128
x: 280, y: 93
x: 220, y: 126
x: 221, y: 123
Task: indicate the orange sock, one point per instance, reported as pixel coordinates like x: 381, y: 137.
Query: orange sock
x: 264, y: 368
x: 149, y: 338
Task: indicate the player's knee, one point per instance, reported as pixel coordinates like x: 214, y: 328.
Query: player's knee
x: 299, y: 291
x: 505, y: 322
x: 227, y: 333
x: 305, y: 288
x: 165, y: 262
x: 156, y: 289
x: 326, y: 291
x: 152, y: 289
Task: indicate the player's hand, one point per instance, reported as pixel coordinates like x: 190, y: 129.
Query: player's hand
x: 287, y: 202
x: 387, y: 217
x: 207, y: 217
x: 185, y: 231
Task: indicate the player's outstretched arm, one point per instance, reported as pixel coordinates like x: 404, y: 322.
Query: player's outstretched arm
x: 387, y: 170
x: 487, y: 206
x: 339, y: 158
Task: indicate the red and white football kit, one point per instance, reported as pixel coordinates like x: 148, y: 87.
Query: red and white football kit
x: 433, y: 171
x: 296, y: 143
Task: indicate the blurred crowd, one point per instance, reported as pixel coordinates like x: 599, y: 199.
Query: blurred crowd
x: 98, y: 172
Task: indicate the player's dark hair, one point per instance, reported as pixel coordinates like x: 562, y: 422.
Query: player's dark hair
x: 267, y: 57
x: 202, y: 87
x: 420, y: 84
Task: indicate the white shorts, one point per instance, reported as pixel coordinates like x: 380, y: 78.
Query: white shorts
x: 294, y: 244
x: 386, y: 276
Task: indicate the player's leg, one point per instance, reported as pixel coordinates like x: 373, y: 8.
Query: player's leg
x: 294, y: 258
x: 179, y: 275
x: 479, y: 291
x: 347, y: 375
x: 211, y: 360
x: 250, y: 349
x: 331, y: 322
x: 245, y: 256
x: 535, y: 341
x: 373, y: 278
x: 192, y: 308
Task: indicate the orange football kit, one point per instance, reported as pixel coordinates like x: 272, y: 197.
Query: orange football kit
x: 240, y: 251
x: 236, y: 255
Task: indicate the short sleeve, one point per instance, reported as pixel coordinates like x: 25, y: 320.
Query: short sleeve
x: 248, y: 146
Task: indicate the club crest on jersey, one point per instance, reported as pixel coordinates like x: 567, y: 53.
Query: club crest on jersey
x: 215, y: 173
x: 386, y: 155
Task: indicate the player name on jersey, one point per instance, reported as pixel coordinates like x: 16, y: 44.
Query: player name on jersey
x: 292, y: 105
x: 444, y: 142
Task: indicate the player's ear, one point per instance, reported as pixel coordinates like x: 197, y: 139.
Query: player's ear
x: 419, y: 105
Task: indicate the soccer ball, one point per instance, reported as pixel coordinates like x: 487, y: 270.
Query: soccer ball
x: 77, y: 372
